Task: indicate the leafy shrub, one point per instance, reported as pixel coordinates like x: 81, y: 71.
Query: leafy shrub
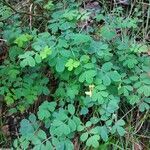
x: 95, y: 76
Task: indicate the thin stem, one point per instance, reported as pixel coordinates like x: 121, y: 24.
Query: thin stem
x: 20, y: 12
x: 3, y: 40
x: 128, y: 112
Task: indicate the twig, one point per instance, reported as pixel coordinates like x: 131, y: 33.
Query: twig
x: 147, y: 20
x: 128, y: 112
x: 140, y: 125
x: 143, y: 136
x: 30, y: 24
x: 144, y: 3
x: 20, y: 12
x: 8, y: 5
x: 3, y: 40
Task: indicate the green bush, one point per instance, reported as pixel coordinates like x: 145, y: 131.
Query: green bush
x: 97, y: 70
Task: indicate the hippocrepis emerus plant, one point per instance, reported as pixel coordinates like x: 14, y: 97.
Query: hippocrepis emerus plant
x: 95, y: 76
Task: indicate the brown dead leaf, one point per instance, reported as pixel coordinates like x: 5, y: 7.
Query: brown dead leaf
x: 148, y: 52
x: 5, y: 130
x: 137, y: 146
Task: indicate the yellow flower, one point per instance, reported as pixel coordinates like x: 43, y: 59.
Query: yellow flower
x: 90, y: 92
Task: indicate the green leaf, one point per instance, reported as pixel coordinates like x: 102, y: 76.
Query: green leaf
x: 130, y: 62
x: 145, y: 89
x: 38, y: 58
x: 88, y: 124
x: 98, y: 47
x: 89, y: 66
x: 118, y: 127
x: 94, y: 120
x: 43, y: 114
x: 99, y: 17
x: 108, y: 32
x: 120, y: 130
x: 72, y: 64
x: 115, y: 76
x: 62, y: 43
x: 84, y: 58
x: 45, y: 52
x: 57, y: 122
x: 51, y: 106
x: 80, y: 128
x: 81, y: 38
x: 48, y: 145
x: 15, y: 143
x: 49, y: 5
x: 70, y: 14
x: 71, y: 109
x: 66, y: 129
x: 98, y: 97
x: 93, y: 141
x: 99, y: 94
x: 66, y: 25
x: 28, y: 60
x: 106, y: 80
x: 62, y: 116
x: 76, y: 64
x: 76, y: 120
x: 59, y: 128
x: 65, y: 53
x: 139, y: 48
x: 87, y: 76
x: 35, y: 140
x: 69, y: 145
x: 5, y: 12
x: 60, y: 65
x: 104, y: 133
x: 45, y: 91
x: 107, y: 66
x: 84, y: 136
x: 9, y: 99
x: 72, y: 125
x: 144, y: 106
x: 37, y: 147
x: 84, y: 111
x: 53, y: 27
x: 23, y: 63
x: 104, y: 94
x: 120, y: 122
x: 72, y: 90
x: 14, y: 51
x: 147, y: 100
x: 31, y: 61
x: 41, y: 134
x: 32, y: 118
x: 95, y: 130
x: 133, y: 99
x: 22, y: 39
x: 25, y: 144
x: 26, y: 128
x: 45, y: 109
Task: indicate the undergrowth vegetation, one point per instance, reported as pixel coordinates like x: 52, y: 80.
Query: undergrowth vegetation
x: 76, y: 74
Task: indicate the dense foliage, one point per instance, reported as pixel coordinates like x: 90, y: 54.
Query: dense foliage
x: 82, y: 66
